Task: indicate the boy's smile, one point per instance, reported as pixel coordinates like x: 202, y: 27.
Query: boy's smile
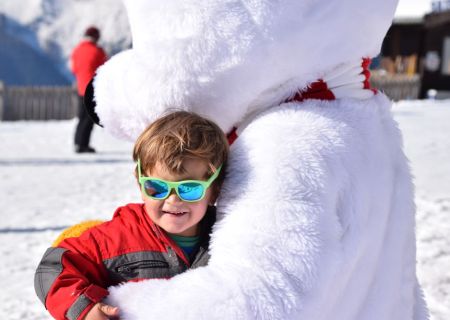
x: 175, y: 213
x: 172, y: 214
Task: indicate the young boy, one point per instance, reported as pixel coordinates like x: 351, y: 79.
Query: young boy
x: 180, y: 167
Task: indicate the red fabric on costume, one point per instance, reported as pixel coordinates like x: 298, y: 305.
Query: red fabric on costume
x: 316, y: 90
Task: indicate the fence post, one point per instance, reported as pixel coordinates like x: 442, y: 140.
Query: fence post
x: 2, y: 100
x: 74, y: 102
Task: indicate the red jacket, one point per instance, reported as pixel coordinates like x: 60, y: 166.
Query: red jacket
x: 85, y: 59
x: 73, y: 276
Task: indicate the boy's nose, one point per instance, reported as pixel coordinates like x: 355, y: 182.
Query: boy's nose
x: 173, y: 197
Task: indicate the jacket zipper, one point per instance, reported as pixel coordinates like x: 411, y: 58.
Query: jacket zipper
x: 145, y: 264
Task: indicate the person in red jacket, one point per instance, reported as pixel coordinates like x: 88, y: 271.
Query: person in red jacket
x: 181, y: 160
x: 85, y: 59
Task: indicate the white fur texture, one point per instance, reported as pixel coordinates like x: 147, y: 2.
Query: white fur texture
x: 317, y: 222
x: 226, y: 58
x: 317, y: 213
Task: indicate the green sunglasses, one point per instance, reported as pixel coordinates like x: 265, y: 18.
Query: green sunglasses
x: 187, y: 190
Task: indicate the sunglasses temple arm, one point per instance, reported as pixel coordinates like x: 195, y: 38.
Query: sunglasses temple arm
x: 216, y: 174
x: 139, y: 168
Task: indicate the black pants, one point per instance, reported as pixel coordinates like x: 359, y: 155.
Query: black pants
x: 84, y: 127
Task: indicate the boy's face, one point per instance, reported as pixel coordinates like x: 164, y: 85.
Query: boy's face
x: 172, y: 214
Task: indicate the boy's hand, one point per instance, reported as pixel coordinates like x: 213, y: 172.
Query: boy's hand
x: 101, y: 311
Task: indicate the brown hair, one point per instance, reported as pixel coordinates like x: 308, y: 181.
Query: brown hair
x: 179, y: 136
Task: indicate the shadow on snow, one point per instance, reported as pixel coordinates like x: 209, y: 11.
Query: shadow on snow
x: 62, y: 162
x: 31, y: 230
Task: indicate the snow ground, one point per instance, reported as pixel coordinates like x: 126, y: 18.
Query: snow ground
x: 45, y: 186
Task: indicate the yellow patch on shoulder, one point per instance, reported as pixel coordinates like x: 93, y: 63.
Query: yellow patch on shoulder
x: 76, y: 230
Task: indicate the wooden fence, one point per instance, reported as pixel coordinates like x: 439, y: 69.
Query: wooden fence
x: 37, y: 103
x: 397, y: 86
x: 61, y: 102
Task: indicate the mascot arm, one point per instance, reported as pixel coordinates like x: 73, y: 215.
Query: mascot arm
x: 277, y: 243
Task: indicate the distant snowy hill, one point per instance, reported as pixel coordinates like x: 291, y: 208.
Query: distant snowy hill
x: 22, y: 64
x: 37, y: 36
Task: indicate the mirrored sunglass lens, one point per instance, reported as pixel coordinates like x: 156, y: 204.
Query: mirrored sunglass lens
x: 156, y: 189
x: 190, y: 191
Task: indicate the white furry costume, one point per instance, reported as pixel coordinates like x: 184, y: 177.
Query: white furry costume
x: 317, y: 214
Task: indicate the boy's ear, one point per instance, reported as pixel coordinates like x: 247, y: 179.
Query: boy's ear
x: 90, y: 104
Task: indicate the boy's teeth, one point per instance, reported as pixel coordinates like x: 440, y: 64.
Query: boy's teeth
x: 175, y: 213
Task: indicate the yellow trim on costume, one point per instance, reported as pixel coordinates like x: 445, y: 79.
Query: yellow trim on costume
x: 76, y: 230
